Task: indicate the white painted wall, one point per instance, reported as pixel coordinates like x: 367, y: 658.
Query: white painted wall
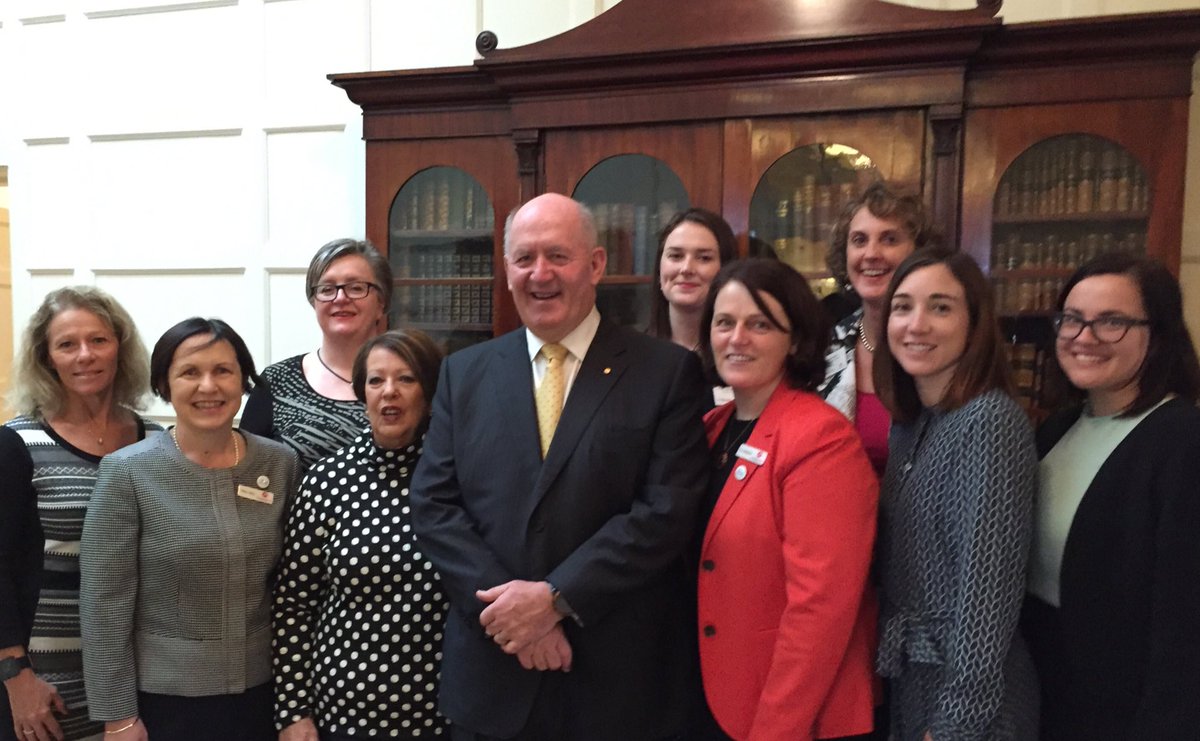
x: 191, y: 156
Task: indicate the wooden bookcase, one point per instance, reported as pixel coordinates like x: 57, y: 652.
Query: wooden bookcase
x: 730, y: 103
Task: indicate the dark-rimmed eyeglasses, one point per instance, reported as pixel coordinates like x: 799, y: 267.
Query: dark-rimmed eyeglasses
x: 354, y: 290
x: 1107, y: 329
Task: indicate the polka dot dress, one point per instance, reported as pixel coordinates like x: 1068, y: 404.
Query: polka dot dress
x: 358, y: 610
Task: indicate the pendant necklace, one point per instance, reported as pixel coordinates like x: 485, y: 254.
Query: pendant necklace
x: 99, y: 435
x: 325, y: 365
x: 742, y: 436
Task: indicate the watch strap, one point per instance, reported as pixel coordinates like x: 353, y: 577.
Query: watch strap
x: 11, y: 666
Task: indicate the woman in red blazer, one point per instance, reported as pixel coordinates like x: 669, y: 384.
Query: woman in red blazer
x: 786, y: 620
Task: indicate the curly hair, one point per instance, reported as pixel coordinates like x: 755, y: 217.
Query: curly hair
x: 883, y: 201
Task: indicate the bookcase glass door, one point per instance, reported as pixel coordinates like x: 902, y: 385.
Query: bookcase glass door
x: 632, y: 196
x: 1061, y: 203
x: 441, y: 229
x: 797, y: 201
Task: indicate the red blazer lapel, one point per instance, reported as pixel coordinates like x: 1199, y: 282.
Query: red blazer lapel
x: 762, y: 438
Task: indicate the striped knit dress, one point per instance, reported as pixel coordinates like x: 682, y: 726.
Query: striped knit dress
x: 63, y: 477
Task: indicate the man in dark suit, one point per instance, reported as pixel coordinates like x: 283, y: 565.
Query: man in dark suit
x: 556, y: 495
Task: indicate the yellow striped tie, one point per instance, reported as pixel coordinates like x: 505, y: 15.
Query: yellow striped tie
x: 550, y: 393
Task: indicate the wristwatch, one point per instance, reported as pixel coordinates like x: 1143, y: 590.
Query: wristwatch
x: 11, y: 666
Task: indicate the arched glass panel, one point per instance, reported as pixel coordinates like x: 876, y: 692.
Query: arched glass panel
x: 797, y: 201
x: 440, y: 244
x: 1061, y: 203
x: 632, y: 196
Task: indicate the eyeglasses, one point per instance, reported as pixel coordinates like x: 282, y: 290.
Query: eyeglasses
x: 1106, y: 329
x: 354, y: 290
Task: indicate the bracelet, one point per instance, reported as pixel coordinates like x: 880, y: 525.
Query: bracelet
x: 123, y: 728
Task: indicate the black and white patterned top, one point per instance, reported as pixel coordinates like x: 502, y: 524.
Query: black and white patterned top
x: 62, y: 482
x: 359, y: 611
x: 841, y: 385
x: 955, y: 528
x: 293, y: 413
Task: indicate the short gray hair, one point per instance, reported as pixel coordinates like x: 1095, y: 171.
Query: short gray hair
x: 587, y: 222
x: 339, y: 248
x: 37, y: 390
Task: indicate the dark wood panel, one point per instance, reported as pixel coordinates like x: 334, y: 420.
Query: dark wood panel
x: 1075, y: 83
x: 693, y: 151
x: 442, y: 123
x: 634, y: 26
x: 835, y: 93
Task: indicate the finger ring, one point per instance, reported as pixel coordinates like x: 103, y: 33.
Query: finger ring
x: 28, y: 731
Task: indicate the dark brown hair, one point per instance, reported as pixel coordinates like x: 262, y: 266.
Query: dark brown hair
x: 164, y: 352
x: 981, y: 368
x: 660, y: 316
x: 414, y: 347
x: 1170, y: 365
x: 883, y: 201
x: 804, y: 367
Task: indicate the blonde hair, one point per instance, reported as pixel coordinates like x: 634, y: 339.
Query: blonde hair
x: 37, y: 389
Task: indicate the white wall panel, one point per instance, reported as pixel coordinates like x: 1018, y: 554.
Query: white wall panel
x: 177, y: 71
x: 407, y: 34
x: 285, y: 299
x: 50, y: 214
x: 173, y: 201
x: 312, y: 195
x: 157, y: 300
x: 30, y: 287
x: 48, y: 77
x: 119, y: 8
x: 305, y: 40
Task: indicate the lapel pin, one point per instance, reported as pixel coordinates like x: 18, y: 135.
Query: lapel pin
x: 739, y: 473
x: 263, y: 482
x: 607, y: 371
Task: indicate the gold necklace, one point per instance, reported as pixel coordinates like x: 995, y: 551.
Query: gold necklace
x: 99, y: 435
x: 237, y: 451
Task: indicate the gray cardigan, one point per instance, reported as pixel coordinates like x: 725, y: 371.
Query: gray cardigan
x: 176, y: 573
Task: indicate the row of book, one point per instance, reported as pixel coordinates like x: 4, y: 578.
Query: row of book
x: 441, y: 261
x: 1028, y: 363
x: 1073, y: 175
x: 1062, y: 249
x: 442, y: 199
x: 629, y: 233
x: 468, y: 304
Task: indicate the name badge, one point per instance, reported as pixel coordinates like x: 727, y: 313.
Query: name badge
x: 255, y: 495
x: 752, y: 454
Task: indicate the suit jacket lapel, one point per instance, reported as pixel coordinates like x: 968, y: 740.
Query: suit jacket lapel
x: 514, y: 379
x: 602, y: 366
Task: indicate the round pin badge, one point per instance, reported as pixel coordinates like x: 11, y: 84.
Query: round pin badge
x: 263, y: 482
x: 739, y: 473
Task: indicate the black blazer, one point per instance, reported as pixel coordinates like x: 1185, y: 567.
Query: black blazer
x: 21, y: 548
x: 605, y: 518
x: 1130, y: 581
